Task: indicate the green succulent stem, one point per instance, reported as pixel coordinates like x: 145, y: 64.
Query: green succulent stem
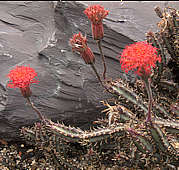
x: 147, y: 82
x: 103, y: 58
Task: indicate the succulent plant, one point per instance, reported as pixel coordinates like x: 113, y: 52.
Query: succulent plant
x: 124, y: 138
x: 167, y: 40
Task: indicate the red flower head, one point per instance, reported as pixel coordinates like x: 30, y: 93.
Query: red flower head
x: 96, y: 14
x: 79, y: 44
x: 22, y: 77
x: 140, y: 56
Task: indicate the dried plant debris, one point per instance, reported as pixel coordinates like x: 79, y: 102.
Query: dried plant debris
x: 22, y: 156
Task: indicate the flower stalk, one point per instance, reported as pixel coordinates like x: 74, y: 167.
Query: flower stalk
x: 26, y: 92
x: 103, y: 58
x: 35, y: 109
x: 97, y: 75
x: 96, y: 14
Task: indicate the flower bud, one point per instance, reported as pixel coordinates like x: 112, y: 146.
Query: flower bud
x: 97, y: 31
x: 79, y: 44
x: 96, y: 14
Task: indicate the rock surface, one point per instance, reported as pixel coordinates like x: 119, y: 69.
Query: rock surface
x: 133, y: 18
x: 37, y: 33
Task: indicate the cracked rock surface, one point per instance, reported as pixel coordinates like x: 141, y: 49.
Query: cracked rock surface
x: 37, y: 33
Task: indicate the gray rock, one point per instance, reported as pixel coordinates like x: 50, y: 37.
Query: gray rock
x: 34, y: 33
x: 133, y: 18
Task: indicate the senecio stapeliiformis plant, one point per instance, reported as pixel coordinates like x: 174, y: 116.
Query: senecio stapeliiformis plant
x: 138, y: 131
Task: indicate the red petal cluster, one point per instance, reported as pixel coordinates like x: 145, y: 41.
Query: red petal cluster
x: 96, y: 13
x: 22, y: 77
x: 79, y: 44
x: 140, y: 56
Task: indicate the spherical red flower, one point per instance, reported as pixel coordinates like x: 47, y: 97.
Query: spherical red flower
x: 22, y: 77
x: 79, y: 44
x: 96, y: 13
x: 140, y: 56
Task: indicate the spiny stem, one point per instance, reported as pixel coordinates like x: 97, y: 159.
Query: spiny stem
x: 35, y: 109
x: 149, y: 92
x: 103, y: 58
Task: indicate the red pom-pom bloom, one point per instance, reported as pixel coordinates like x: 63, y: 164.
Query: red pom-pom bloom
x: 96, y: 14
x: 22, y: 77
x: 140, y: 56
x: 79, y: 44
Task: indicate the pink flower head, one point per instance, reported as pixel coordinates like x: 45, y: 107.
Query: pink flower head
x: 22, y: 77
x: 79, y: 44
x: 140, y: 56
x: 96, y: 13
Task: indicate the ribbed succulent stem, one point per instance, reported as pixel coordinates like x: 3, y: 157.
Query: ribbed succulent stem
x: 167, y: 123
x: 168, y: 45
x: 152, y: 38
x: 149, y: 92
x: 161, y: 140
x: 120, y: 89
x: 77, y: 135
